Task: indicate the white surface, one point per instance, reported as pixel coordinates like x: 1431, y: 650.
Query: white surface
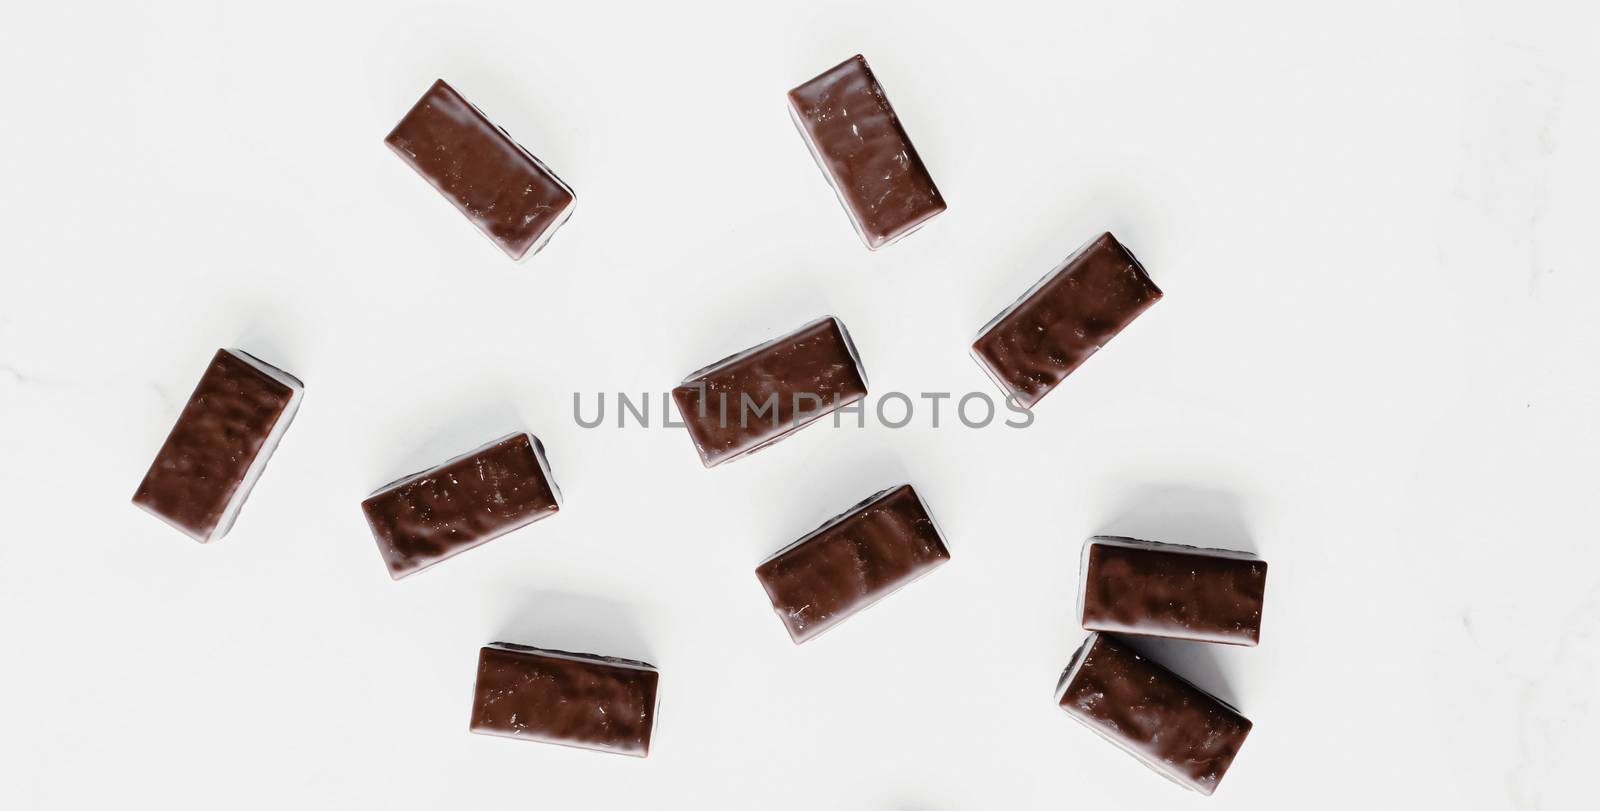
x: 1375, y: 365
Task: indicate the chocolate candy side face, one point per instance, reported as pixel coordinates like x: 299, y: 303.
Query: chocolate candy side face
x: 1175, y: 728
x: 1156, y: 589
x: 857, y: 139
x: 1030, y: 347
x: 757, y: 397
x: 572, y: 699
x: 466, y: 502
x: 505, y: 191
x: 852, y: 561
x: 220, y: 444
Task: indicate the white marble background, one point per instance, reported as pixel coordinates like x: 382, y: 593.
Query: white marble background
x: 1376, y: 365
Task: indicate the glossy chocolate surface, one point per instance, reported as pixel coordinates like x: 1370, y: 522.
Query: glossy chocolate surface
x: 465, y: 502
x: 857, y: 140
x: 810, y: 372
x: 220, y: 442
x: 1156, y: 589
x: 852, y: 561
x: 1177, y: 729
x: 502, y: 188
x: 573, y: 699
x: 1069, y: 315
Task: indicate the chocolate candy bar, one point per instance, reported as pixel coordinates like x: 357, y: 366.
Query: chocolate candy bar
x: 465, y: 502
x: 220, y: 444
x: 857, y: 140
x: 502, y: 188
x: 1070, y: 314
x: 1158, y: 589
x: 573, y: 699
x: 852, y: 561
x: 761, y: 395
x: 1152, y: 713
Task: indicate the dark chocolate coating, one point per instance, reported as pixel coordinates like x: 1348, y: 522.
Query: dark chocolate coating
x: 207, y: 456
x: 467, y: 501
x: 1154, y: 589
x: 858, y: 141
x: 852, y: 561
x: 573, y: 699
x: 1069, y: 315
x: 1174, y: 727
x: 815, y: 360
x: 501, y: 187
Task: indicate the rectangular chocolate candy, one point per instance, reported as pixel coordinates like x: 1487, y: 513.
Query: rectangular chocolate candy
x: 468, y: 501
x: 1174, y: 727
x: 857, y: 139
x: 511, y: 196
x: 1070, y: 314
x: 572, y: 699
x: 220, y: 444
x: 761, y: 395
x: 1159, y: 589
x: 852, y: 561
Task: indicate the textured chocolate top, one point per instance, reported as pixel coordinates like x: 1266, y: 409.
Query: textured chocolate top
x: 574, y: 699
x: 1151, y: 712
x: 1033, y: 345
x: 1156, y: 589
x: 467, y: 501
x: 205, y: 463
x: 852, y: 561
x: 860, y: 145
x: 498, y: 185
x: 802, y: 375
